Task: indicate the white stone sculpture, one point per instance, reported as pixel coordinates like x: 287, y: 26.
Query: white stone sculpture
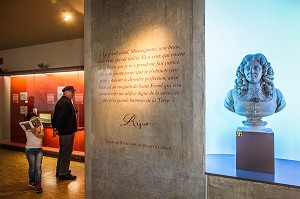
x: 254, y: 95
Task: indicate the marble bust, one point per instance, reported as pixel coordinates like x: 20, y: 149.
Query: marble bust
x: 254, y: 94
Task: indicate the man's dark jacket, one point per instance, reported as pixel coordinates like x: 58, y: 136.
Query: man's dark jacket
x: 64, y: 117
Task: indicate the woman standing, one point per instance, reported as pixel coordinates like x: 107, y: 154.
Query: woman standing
x: 34, y: 154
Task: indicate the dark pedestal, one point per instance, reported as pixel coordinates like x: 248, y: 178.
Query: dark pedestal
x: 255, y: 151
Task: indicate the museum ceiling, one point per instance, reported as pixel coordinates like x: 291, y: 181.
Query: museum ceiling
x: 32, y: 22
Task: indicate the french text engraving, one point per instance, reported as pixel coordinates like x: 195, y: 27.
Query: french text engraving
x: 147, y: 75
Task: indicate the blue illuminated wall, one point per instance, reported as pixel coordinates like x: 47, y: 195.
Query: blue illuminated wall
x: 235, y: 28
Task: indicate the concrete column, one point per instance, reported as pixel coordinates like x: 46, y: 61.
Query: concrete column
x: 5, y: 107
x: 144, y: 99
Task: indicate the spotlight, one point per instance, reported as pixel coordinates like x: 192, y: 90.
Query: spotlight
x: 67, y: 15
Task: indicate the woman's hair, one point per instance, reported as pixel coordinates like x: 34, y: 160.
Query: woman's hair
x: 30, y: 115
x: 266, y: 82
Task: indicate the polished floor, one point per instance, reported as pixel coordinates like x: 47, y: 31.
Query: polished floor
x: 14, y: 178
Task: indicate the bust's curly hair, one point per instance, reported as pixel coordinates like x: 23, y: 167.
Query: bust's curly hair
x: 266, y: 82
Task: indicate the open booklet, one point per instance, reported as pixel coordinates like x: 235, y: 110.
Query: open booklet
x: 33, y: 123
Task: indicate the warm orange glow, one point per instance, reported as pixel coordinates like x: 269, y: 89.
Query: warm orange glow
x: 40, y: 90
x: 48, y: 141
x: 67, y: 15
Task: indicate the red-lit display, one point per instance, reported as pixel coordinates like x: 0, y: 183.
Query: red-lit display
x: 30, y: 93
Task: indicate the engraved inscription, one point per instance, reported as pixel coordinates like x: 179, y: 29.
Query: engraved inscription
x: 147, y: 75
x: 130, y: 120
x: 138, y: 144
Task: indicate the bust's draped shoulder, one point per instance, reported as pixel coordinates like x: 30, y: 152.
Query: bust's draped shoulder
x: 279, y: 100
x: 229, y: 100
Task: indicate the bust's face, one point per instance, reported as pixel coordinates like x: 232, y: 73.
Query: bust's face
x: 253, y: 72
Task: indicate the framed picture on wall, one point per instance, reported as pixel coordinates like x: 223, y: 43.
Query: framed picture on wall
x: 23, y: 110
x: 23, y: 96
x: 59, y: 92
x: 50, y: 98
x: 15, y: 98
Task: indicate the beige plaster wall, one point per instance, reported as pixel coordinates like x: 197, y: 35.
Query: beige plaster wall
x: 4, y: 107
x: 56, y: 54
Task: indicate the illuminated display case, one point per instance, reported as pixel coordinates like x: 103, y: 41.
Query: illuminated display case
x: 39, y: 93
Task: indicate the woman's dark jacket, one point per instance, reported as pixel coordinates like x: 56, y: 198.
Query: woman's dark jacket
x: 64, y: 117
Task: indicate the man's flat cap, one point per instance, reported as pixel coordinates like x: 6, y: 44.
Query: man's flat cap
x: 68, y: 88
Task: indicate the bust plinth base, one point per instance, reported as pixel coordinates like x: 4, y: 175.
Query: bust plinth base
x: 255, y: 151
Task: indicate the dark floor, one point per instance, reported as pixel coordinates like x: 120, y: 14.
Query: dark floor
x: 14, y: 178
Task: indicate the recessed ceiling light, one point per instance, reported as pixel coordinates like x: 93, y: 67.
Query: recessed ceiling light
x: 67, y: 15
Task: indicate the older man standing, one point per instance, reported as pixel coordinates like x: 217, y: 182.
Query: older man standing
x: 64, y: 124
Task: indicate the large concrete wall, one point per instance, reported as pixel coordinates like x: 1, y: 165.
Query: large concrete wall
x: 144, y: 102
x: 230, y: 188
